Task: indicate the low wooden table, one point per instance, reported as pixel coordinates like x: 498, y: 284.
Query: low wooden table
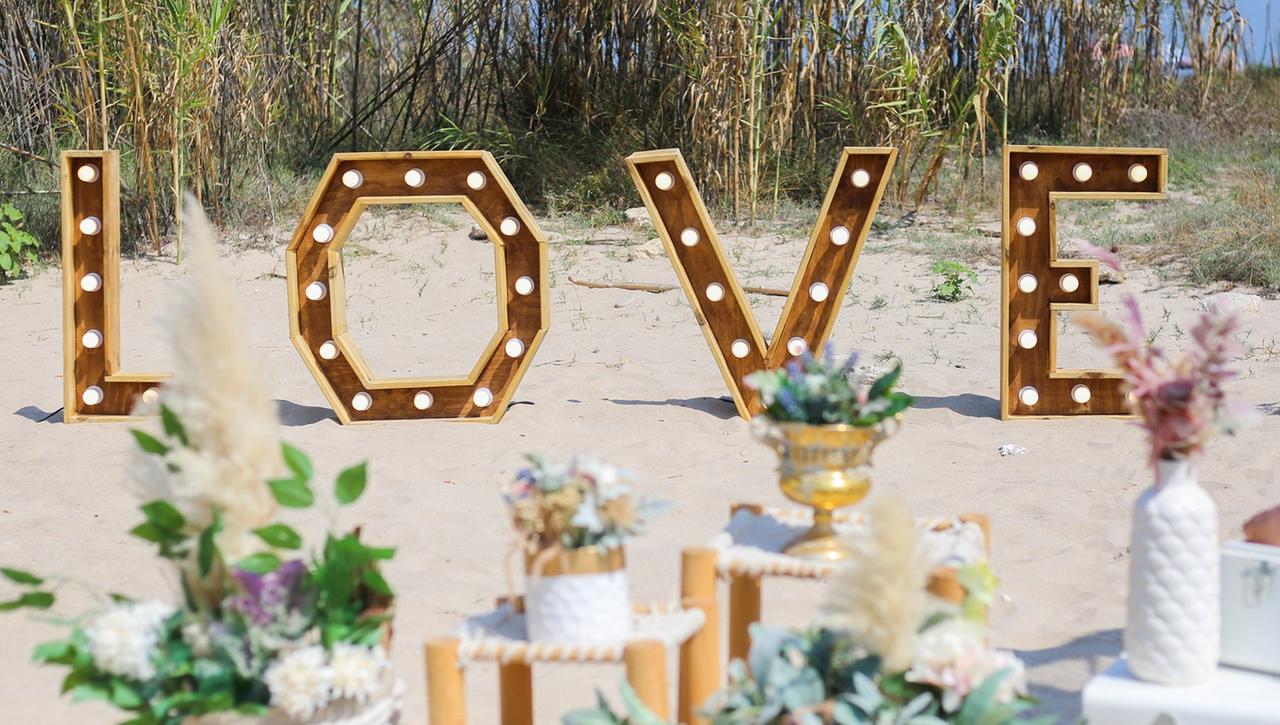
x: 1231, y: 697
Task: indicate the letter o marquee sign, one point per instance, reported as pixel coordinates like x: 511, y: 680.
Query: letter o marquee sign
x: 317, y: 297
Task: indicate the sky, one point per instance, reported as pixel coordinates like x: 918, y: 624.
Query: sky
x: 1262, y: 42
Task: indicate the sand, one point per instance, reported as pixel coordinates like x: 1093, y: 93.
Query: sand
x: 627, y: 375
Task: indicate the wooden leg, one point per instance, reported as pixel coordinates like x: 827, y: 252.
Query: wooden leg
x: 700, y: 655
x: 646, y: 662
x: 446, y: 694
x: 515, y: 683
x: 744, y: 609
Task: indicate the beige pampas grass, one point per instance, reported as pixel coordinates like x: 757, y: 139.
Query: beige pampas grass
x: 879, y: 595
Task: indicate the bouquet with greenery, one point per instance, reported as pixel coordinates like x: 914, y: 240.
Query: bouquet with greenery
x: 822, y: 391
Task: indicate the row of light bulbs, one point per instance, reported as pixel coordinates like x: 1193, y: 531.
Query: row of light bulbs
x: 1029, y: 396
x: 1081, y: 172
x: 423, y: 399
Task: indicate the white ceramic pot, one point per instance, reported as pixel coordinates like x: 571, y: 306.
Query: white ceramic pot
x: 579, y: 596
x: 1172, y: 635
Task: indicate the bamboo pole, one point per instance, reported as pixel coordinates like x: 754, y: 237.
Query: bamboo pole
x: 446, y: 693
x: 515, y: 686
x: 646, y: 662
x: 700, y: 654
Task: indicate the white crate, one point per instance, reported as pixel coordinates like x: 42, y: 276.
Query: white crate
x: 1251, y: 606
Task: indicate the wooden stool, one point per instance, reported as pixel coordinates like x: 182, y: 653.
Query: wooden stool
x: 645, y: 659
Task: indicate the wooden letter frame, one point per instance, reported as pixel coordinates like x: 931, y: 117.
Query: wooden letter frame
x: 94, y: 310
x: 729, y: 320
x: 1036, y: 255
x: 522, y: 316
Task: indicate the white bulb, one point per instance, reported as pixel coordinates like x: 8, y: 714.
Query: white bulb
x: 483, y: 397
x: 715, y: 292
x: 476, y: 180
x: 1137, y: 173
x: 1029, y: 396
x: 1069, y: 282
x: 415, y: 178
x: 664, y: 181
x: 515, y: 348
x: 91, y: 282
x: 1026, y: 226
x: 323, y: 233
x: 88, y: 173
x: 1081, y: 394
x: 740, y: 348
x: 92, y: 395
x: 92, y: 339
x: 90, y: 225
x: 361, y: 401
x: 1082, y: 172
x: 524, y: 285
x: 352, y: 179
x: 860, y: 178
x: 423, y: 399
x: 328, y: 349
x: 1028, y: 171
x: 840, y: 236
x: 1027, y: 339
x: 689, y: 237
x: 316, y: 291
x: 797, y: 346
x: 818, y: 291
x: 509, y: 226
x: 1027, y: 283
x: 150, y: 396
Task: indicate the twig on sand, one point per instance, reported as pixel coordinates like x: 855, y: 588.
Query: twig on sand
x: 655, y: 288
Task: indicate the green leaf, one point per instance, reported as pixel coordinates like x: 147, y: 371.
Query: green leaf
x: 207, y: 547
x: 148, y: 532
x: 149, y: 443
x: 163, y: 515
x: 297, y: 462
x: 34, y: 600
x: 279, y: 536
x: 57, y: 652
x: 123, y: 696
x: 382, y: 553
x: 351, y: 483
x: 260, y: 563
x: 21, y: 577
x: 87, y: 691
x: 886, y: 382
x: 173, y: 425
x: 374, y: 581
x: 11, y: 212
x: 292, y: 492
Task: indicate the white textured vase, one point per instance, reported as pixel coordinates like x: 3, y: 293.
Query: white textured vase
x: 580, y: 596
x: 1172, y: 636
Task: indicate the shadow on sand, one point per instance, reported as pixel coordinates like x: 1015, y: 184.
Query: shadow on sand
x: 722, y: 408
x: 293, y: 415
x: 969, y: 405
x: 36, y: 415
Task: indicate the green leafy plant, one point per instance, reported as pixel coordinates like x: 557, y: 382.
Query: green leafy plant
x: 634, y: 712
x: 821, y: 391
x: 957, y: 280
x: 17, y: 246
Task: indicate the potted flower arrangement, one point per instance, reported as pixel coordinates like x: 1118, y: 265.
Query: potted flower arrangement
x: 825, y: 420
x: 571, y: 520
x: 1172, y: 631
x: 261, y: 631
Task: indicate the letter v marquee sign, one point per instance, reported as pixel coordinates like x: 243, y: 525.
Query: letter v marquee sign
x: 713, y: 291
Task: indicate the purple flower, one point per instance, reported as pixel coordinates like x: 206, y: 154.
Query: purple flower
x: 268, y: 597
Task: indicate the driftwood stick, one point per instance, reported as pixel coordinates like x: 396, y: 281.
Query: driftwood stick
x: 655, y: 288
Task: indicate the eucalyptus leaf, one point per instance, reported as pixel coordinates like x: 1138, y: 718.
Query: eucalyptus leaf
x: 298, y: 462
x: 351, y: 483
x: 279, y: 536
x: 19, y: 576
x: 261, y: 563
x: 292, y: 492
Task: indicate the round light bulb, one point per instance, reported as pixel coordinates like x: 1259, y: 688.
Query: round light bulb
x: 1069, y: 282
x: 415, y: 178
x: 92, y: 339
x: 797, y: 346
x: 524, y: 285
x: 514, y: 348
x: 1026, y: 226
x: 476, y: 180
x: 361, y: 401
x: 509, y: 226
x: 818, y: 291
x: 715, y: 291
x: 1027, y: 339
x: 860, y: 178
x: 90, y: 226
x: 1029, y: 396
x: 690, y: 237
x: 664, y: 181
x: 352, y: 179
x: 483, y: 397
x: 316, y: 291
x: 88, y: 173
x: 91, y: 282
x: 92, y: 395
x: 840, y: 236
x: 423, y: 399
x: 740, y: 348
x: 150, y: 395
x: 1028, y: 171
x: 1082, y: 172
x: 323, y: 233
x: 328, y: 349
x: 1027, y: 283
x: 1137, y: 173
x: 1081, y: 394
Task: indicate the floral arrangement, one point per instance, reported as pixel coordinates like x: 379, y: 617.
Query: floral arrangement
x: 1179, y: 399
x: 584, y: 502
x: 822, y: 391
x: 261, y: 626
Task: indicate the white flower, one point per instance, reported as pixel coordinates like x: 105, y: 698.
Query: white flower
x: 357, y: 671
x: 953, y: 656
x: 196, y: 635
x: 123, y: 639
x: 300, y: 682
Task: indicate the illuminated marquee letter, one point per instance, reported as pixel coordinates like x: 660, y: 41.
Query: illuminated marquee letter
x: 93, y: 386
x: 317, y: 299
x: 1036, y: 284
x: 711, y: 287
